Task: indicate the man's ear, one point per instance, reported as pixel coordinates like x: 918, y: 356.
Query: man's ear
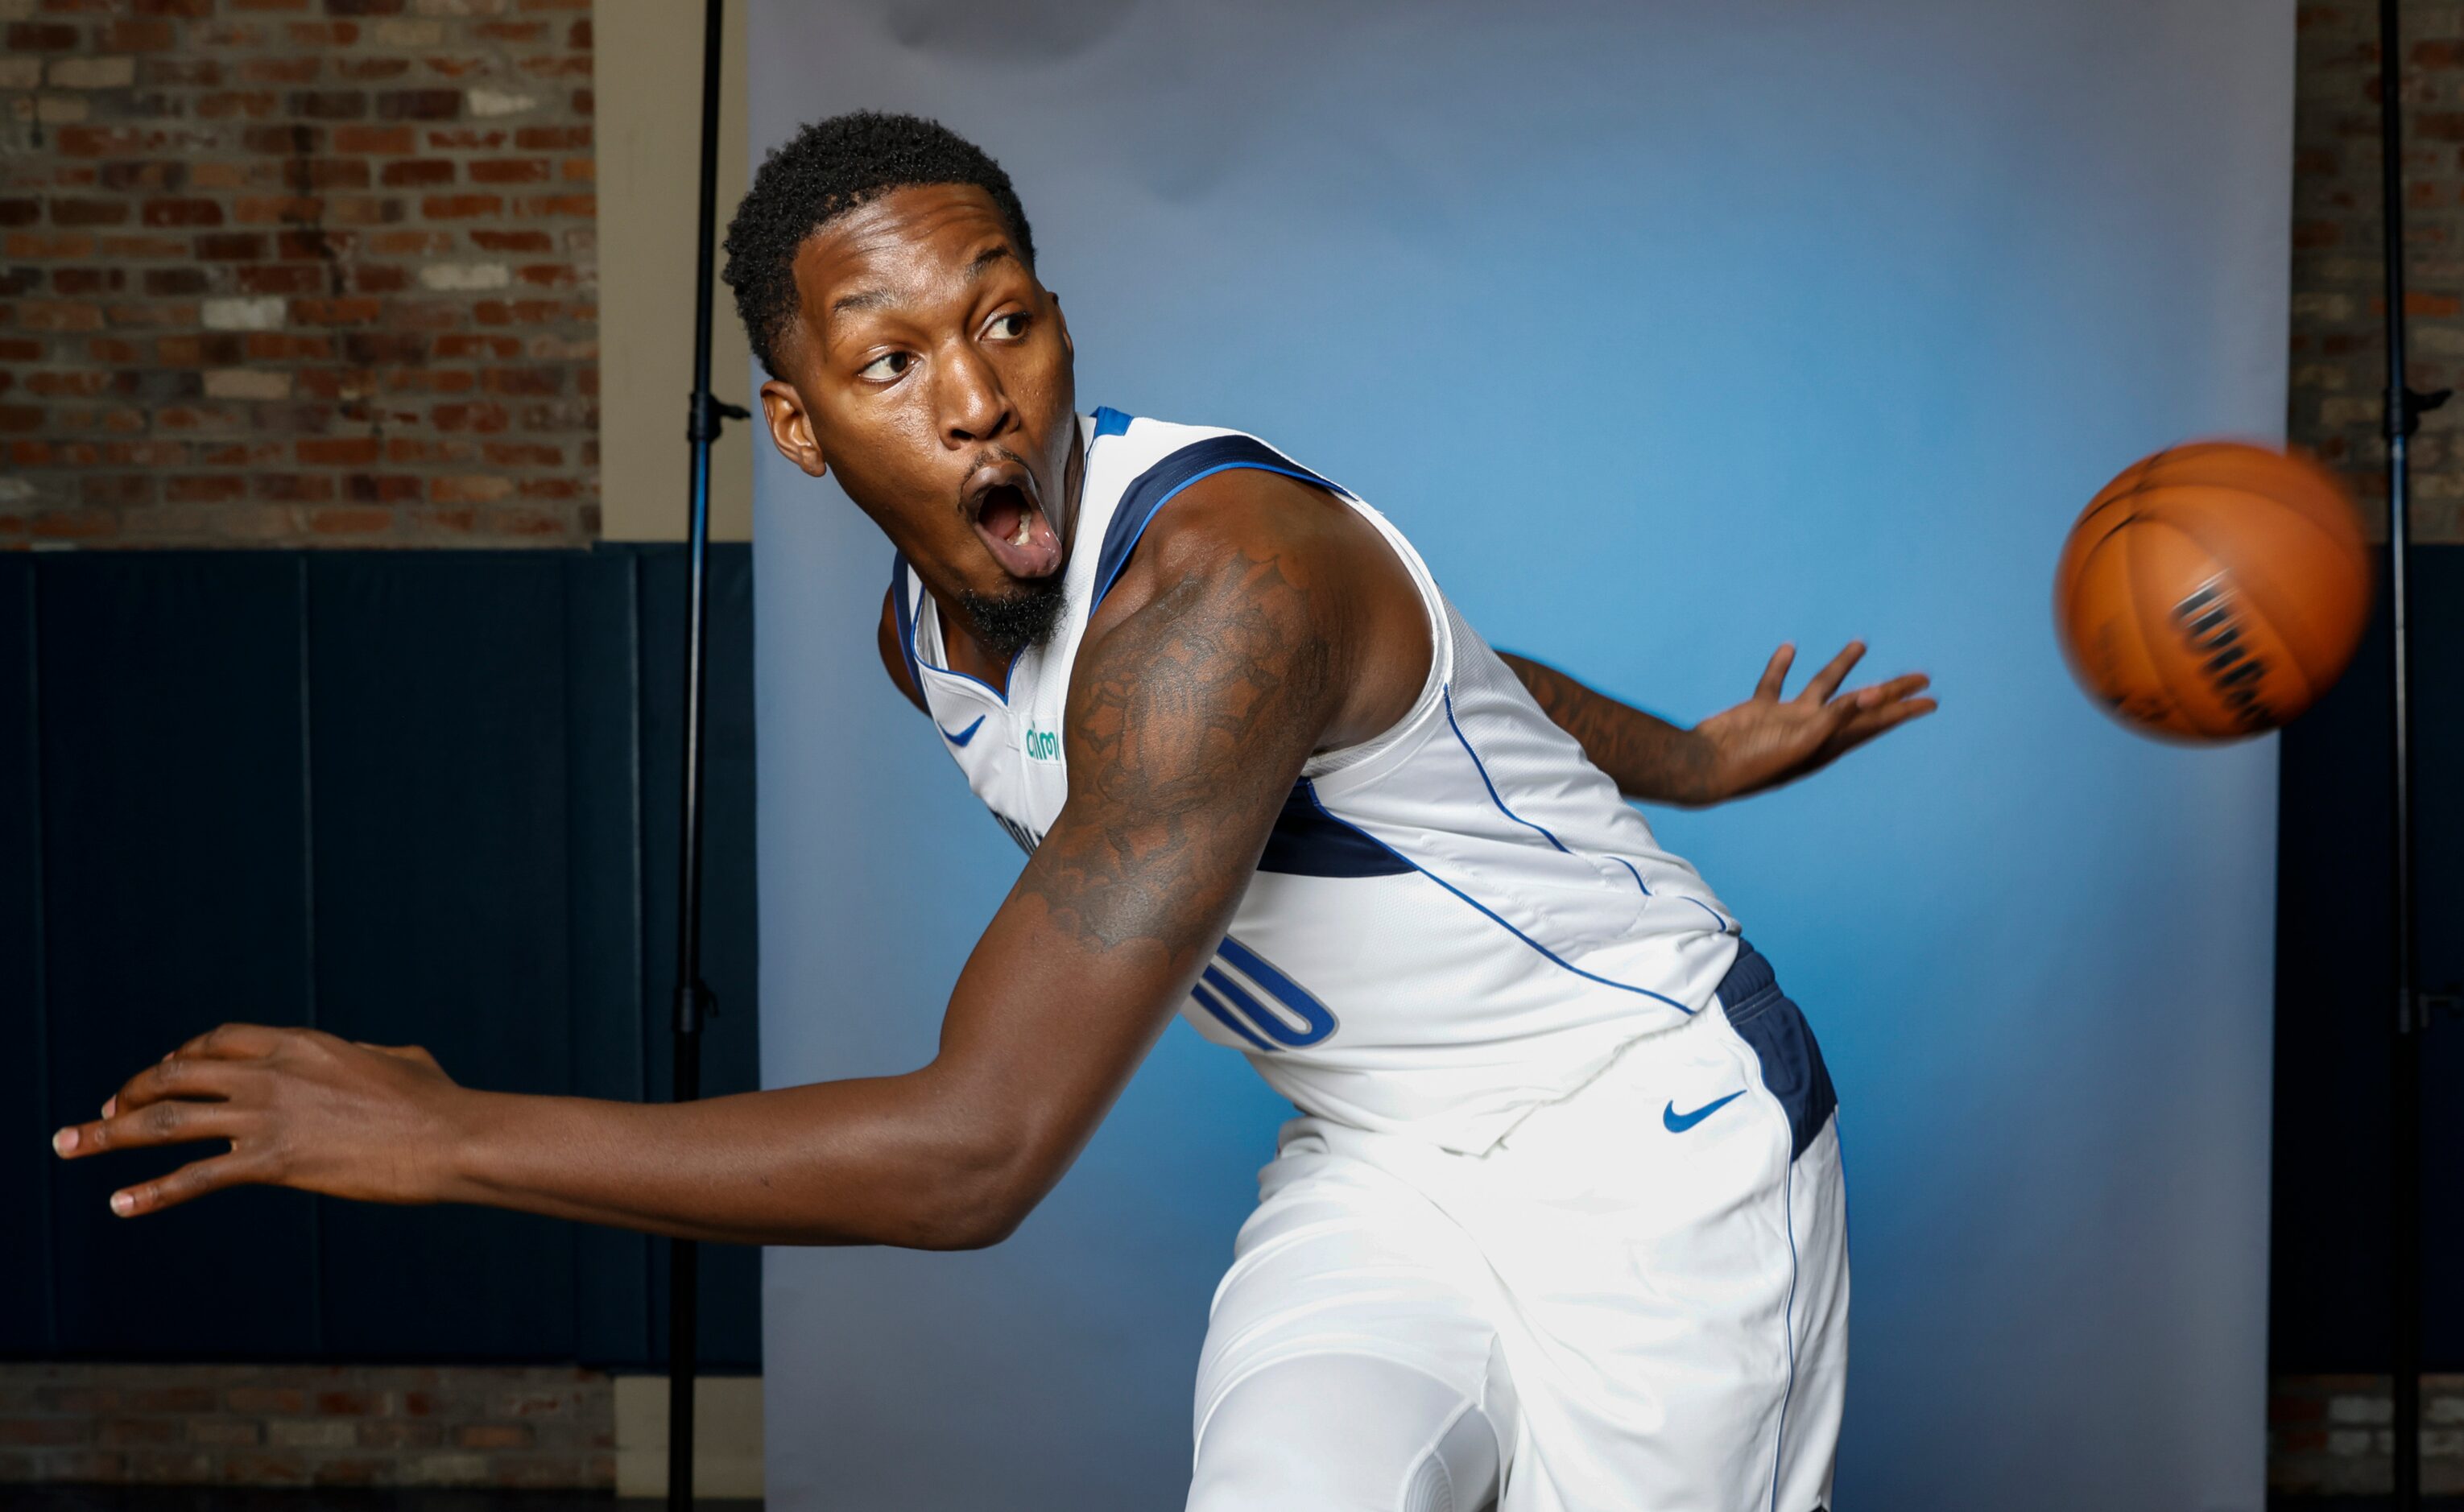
x: 791, y: 429
x: 1067, y: 345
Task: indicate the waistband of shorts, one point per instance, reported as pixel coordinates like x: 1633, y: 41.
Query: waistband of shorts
x: 1750, y: 976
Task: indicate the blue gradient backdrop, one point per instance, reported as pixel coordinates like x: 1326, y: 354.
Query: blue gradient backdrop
x: 1667, y: 332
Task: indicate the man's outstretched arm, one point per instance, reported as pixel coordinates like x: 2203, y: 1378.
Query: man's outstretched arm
x: 1188, y: 723
x: 1759, y: 744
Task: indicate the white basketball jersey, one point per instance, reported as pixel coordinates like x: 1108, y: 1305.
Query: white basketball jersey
x: 1451, y: 923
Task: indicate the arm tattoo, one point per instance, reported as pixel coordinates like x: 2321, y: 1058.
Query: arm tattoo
x: 1187, y: 726
x: 1647, y: 757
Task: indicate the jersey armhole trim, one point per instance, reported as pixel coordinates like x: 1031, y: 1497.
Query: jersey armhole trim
x: 902, y: 605
x: 1158, y: 484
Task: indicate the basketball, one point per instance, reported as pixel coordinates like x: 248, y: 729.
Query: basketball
x: 2212, y: 590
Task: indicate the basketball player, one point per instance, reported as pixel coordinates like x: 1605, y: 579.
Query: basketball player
x: 1560, y: 1223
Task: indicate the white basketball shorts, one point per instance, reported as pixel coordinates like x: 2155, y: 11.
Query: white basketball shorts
x: 1635, y: 1302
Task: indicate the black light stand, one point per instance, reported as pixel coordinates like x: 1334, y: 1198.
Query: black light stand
x: 2405, y: 406
x: 701, y: 429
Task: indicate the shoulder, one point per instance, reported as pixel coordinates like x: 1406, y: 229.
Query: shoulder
x: 1224, y: 612
x: 1233, y: 527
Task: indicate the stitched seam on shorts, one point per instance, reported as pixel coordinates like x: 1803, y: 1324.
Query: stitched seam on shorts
x: 1754, y: 1007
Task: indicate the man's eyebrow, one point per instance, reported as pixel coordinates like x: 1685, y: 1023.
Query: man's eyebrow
x: 880, y: 298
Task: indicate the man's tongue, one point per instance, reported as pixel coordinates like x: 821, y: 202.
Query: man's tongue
x: 1021, y: 539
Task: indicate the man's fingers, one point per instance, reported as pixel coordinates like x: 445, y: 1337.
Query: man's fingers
x: 233, y: 1042
x: 1875, y: 695
x: 1776, y: 671
x: 192, y: 1180
x: 165, y: 1123
x: 181, y: 1077
x: 1872, y: 722
x: 1827, y: 681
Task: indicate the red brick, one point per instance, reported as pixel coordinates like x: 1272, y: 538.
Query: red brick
x: 204, y: 488
x: 123, y: 1433
x: 291, y: 140
x: 419, y: 104
x: 334, y: 312
x: 488, y: 238
x: 179, y: 72
x: 266, y: 278
x: 291, y: 488
x: 371, y: 70
x: 418, y: 172
x: 230, y: 247
x: 88, y: 213
x: 375, y: 139
x: 31, y: 37
x: 138, y: 36
x: 511, y: 170
x: 460, y: 206
x: 338, y: 451
x: 325, y: 173
x: 235, y: 103
x: 276, y: 210
x: 123, y: 489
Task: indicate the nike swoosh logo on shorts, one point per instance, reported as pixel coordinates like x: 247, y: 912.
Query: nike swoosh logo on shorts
x: 1679, y: 1123
x: 963, y: 735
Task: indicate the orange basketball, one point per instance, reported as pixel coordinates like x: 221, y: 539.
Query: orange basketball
x: 2213, y: 590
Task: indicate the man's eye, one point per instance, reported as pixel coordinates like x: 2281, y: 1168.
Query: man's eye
x: 1009, y: 327
x: 887, y: 365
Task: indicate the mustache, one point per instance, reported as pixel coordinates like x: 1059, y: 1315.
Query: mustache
x: 993, y: 455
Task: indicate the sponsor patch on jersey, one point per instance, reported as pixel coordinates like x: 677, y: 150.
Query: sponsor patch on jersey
x: 1043, y: 745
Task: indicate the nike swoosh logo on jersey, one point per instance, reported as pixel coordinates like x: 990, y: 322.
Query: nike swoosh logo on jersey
x: 1679, y: 1123
x: 963, y: 735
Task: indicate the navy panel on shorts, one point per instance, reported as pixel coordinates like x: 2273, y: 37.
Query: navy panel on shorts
x: 1765, y: 1019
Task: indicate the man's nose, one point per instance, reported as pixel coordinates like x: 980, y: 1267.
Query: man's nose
x: 974, y: 407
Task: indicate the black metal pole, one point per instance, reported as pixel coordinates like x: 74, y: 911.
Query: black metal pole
x: 2402, y: 417
x: 702, y: 427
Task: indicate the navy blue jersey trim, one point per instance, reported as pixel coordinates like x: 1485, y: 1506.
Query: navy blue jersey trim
x: 1306, y: 843
x: 1550, y: 955
x: 901, y: 600
x: 1154, y: 488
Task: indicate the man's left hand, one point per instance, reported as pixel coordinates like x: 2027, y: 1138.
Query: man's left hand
x: 299, y: 1107
x: 1768, y: 740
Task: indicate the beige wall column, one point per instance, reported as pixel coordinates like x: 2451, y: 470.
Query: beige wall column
x: 649, y: 85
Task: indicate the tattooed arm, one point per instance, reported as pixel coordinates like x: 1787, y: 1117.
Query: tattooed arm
x: 1250, y: 628
x: 1759, y: 744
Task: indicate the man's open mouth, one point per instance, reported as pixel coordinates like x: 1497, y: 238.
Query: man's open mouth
x: 1003, y: 503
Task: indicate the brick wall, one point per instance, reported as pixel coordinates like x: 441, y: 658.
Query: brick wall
x: 298, y: 272
x: 2334, y: 1435
x: 2338, y: 358
x: 307, y: 1425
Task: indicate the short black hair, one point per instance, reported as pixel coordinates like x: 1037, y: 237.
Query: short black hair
x: 826, y: 169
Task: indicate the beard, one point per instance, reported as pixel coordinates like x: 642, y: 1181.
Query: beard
x: 1008, y: 623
